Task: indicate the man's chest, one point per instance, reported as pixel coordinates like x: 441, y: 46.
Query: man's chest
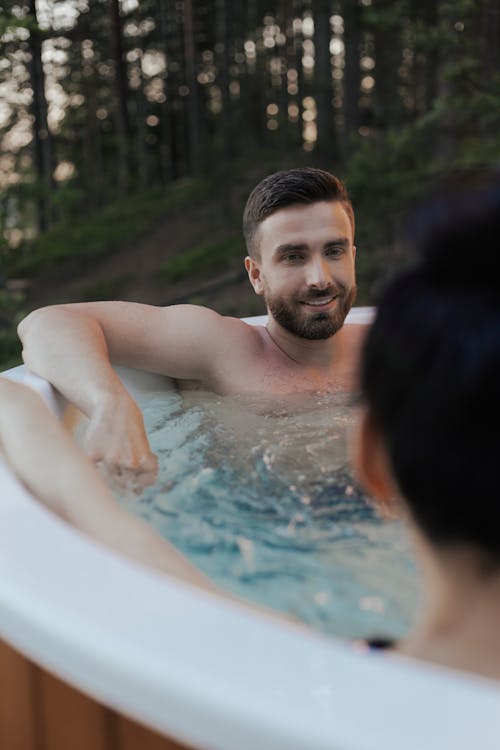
x: 272, y: 377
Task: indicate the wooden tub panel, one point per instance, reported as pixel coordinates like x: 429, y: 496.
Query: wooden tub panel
x: 18, y: 715
x: 38, y: 711
x: 133, y: 736
x: 71, y: 720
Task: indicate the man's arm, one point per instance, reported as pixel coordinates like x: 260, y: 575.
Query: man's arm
x: 72, y: 346
x: 58, y: 473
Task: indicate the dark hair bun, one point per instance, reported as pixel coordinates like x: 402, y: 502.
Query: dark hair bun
x: 430, y: 369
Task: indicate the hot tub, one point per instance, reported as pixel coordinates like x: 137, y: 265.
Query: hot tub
x: 189, y: 665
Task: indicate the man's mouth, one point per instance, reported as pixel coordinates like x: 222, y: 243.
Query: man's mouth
x: 319, y: 302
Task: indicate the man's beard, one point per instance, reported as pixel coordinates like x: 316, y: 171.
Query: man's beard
x: 313, y: 326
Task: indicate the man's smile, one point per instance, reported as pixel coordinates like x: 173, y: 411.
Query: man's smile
x: 320, y: 302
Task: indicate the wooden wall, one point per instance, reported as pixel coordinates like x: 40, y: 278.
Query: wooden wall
x: 40, y: 712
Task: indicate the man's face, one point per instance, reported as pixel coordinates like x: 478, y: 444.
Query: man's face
x: 305, y: 268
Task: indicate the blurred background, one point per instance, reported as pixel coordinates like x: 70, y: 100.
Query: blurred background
x: 131, y: 134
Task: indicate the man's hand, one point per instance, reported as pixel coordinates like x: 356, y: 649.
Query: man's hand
x: 116, y: 441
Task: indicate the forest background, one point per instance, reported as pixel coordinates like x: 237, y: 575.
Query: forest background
x: 131, y: 134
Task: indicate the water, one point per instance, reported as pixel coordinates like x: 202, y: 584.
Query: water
x: 260, y: 497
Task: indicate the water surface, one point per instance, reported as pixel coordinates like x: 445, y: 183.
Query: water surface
x: 259, y: 495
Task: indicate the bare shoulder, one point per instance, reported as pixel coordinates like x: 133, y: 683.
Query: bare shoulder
x: 230, y: 349
x: 202, y: 321
x: 234, y: 338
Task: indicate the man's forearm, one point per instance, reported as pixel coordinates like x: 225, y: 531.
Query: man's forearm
x: 68, y: 348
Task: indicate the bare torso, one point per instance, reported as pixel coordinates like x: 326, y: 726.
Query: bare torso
x: 256, y: 364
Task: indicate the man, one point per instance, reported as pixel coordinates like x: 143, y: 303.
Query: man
x: 299, y: 230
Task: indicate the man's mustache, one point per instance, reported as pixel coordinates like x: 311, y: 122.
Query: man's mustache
x: 328, y: 291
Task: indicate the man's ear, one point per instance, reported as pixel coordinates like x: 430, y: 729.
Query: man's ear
x: 371, y: 462
x: 254, y: 274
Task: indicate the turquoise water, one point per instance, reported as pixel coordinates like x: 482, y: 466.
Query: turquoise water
x: 260, y: 497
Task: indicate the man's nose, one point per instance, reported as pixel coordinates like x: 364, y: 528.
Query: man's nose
x: 318, y: 273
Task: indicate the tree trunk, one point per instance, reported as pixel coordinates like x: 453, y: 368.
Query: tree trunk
x: 352, y: 72
x: 222, y: 11
x: 430, y: 11
x: 223, y: 36
x: 388, y: 55
x: 299, y: 52
x: 490, y: 21
x: 193, y: 107
x: 122, y: 121
x: 254, y: 101
x: 445, y: 132
x: 326, y: 145
x: 141, y: 131
x: 42, y: 140
x: 293, y: 129
x: 168, y: 145
x: 92, y: 162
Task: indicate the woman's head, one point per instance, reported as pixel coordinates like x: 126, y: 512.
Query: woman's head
x: 430, y: 375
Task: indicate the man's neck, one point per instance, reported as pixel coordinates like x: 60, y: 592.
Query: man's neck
x: 320, y: 354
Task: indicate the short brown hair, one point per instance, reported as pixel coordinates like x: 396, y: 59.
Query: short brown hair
x: 288, y: 188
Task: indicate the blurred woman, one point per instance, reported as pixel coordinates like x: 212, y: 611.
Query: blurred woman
x: 429, y: 434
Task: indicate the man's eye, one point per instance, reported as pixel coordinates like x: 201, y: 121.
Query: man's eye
x: 334, y: 251
x: 292, y: 257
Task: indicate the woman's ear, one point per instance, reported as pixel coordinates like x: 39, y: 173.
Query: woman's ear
x: 371, y: 463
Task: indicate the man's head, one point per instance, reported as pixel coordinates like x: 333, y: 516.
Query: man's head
x: 299, y: 230
x: 291, y: 187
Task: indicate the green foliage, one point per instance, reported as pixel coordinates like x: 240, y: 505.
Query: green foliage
x: 381, y: 18
x: 68, y: 199
x: 120, y: 222
x: 11, y: 313
x: 106, y: 289
x: 9, y: 23
x: 384, y: 175
x: 387, y: 175
x: 10, y: 349
x: 10, y: 302
x: 201, y: 258
x: 390, y: 169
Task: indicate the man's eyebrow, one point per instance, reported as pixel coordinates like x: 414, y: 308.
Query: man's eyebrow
x: 338, y: 241
x: 290, y: 247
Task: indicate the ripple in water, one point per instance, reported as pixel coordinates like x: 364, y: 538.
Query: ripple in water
x: 260, y: 497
